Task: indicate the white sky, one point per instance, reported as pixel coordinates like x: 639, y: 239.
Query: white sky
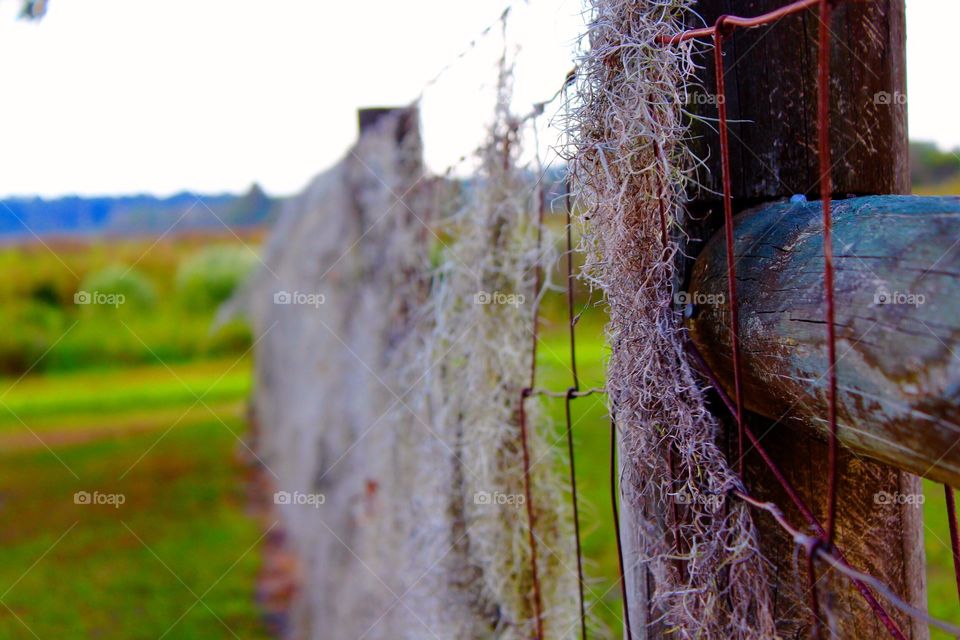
x: 121, y: 96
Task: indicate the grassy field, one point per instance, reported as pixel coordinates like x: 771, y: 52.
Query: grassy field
x: 184, y: 500
x: 942, y: 594
x: 137, y: 569
x: 950, y: 187
x: 137, y: 403
x: 148, y: 403
x: 80, y: 400
x: 591, y: 429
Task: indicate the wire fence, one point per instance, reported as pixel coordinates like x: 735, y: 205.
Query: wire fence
x: 822, y: 545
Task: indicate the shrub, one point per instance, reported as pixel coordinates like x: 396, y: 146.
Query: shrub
x: 209, y: 277
x: 118, y: 280
x: 233, y: 337
x: 29, y: 330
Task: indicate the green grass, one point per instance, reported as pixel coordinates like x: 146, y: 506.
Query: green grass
x: 86, y: 404
x: 184, y: 498
x: 99, y: 379
x: 80, y: 571
x: 591, y: 429
x: 77, y: 399
x: 948, y: 188
x: 941, y: 585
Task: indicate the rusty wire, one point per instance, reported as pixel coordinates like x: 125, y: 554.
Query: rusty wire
x: 738, y: 21
x: 573, y: 390
x: 531, y: 515
x: 614, y: 491
x: 823, y: 140
x: 954, y: 535
x: 823, y: 546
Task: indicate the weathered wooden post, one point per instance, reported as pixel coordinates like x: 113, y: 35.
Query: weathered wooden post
x: 334, y: 294
x: 771, y: 79
x: 897, y: 311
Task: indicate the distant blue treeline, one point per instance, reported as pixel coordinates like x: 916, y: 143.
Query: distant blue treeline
x: 74, y: 215
x: 144, y: 214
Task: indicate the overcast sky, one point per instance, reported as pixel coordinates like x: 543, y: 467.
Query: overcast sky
x: 121, y: 96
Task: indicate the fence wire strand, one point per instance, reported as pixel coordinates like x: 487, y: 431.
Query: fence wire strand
x: 819, y: 547
x: 954, y: 534
x: 823, y: 546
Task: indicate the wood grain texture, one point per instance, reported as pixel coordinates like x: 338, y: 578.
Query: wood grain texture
x: 898, y: 323
x: 898, y: 376
x: 771, y: 101
x: 872, y: 530
x: 771, y: 78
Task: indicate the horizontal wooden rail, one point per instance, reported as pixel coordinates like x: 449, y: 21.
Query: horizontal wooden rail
x: 897, y: 319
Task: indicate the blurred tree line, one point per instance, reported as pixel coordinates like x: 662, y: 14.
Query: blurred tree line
x: 929, y: 166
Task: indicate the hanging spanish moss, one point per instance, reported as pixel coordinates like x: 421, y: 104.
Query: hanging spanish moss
x: 631, y: 171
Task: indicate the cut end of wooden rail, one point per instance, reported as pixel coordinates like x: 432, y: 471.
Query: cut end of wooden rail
x: 897, y: 287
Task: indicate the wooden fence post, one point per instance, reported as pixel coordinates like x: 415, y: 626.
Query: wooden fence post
x: 771, y: 75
